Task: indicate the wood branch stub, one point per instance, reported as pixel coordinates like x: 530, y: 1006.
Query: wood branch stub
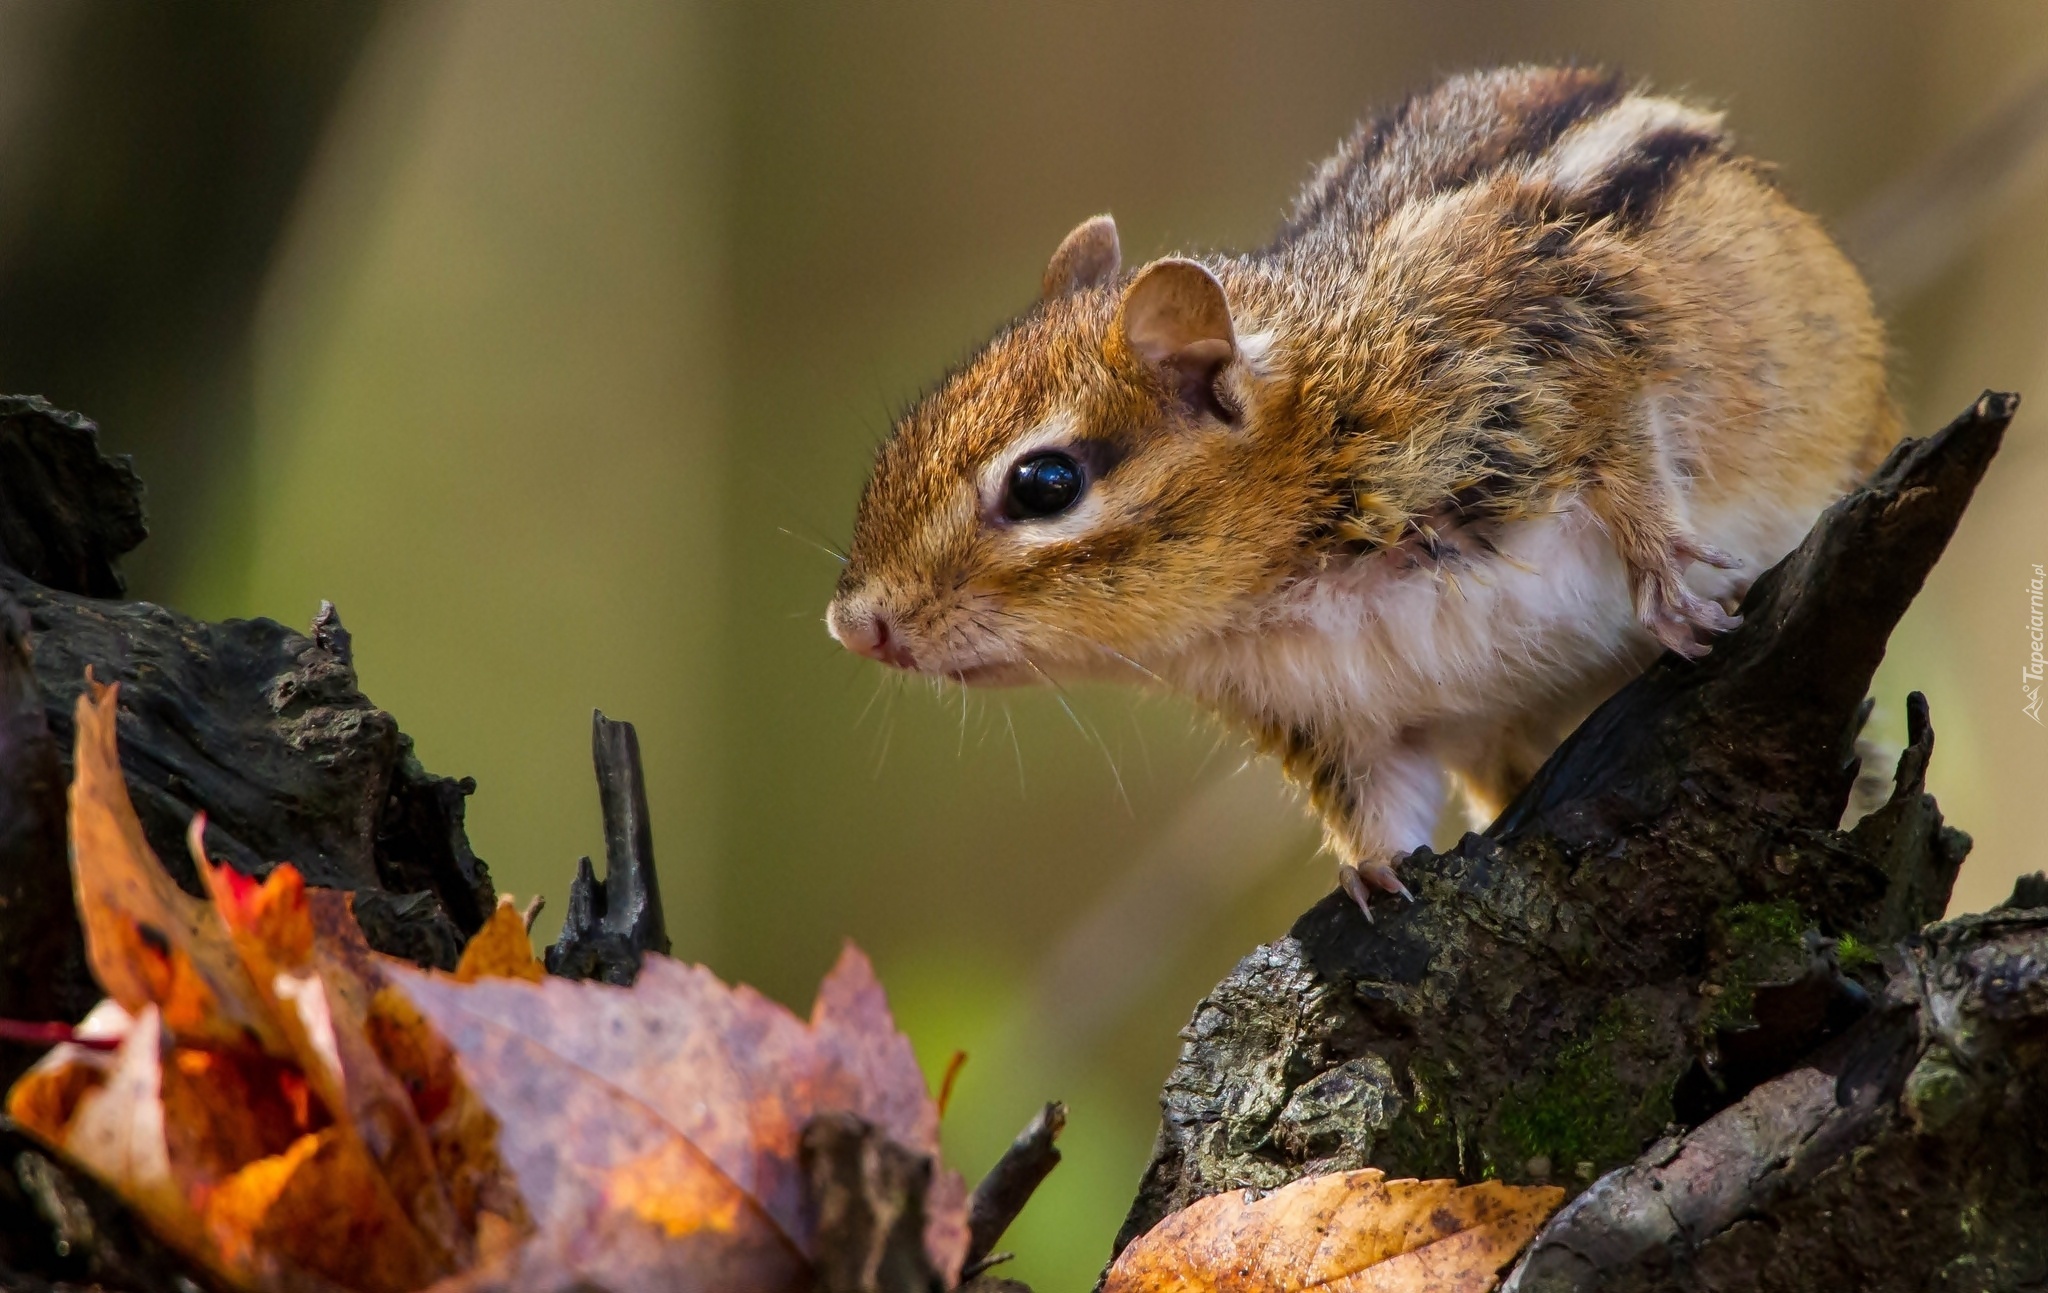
x: 1009, y: 1185
x: 1531, y: 1016
x: 611, y: 924
x: 868, y: 1194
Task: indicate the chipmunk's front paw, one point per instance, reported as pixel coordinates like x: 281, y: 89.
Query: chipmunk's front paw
x: 1362, y: 881
x: 1674, y: 613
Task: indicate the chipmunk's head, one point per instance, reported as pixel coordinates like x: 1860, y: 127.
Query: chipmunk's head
x: 1086, y: 494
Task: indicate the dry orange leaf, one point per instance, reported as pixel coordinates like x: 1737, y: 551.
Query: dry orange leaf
x: 663, y: 1120
x: 181, y: 1133
x: 500, y: 950
x: 317, y: 979
x: 249, y: 1113
x: 1346, y: 1232
x: 320, y: 1206
x: 150, y: 942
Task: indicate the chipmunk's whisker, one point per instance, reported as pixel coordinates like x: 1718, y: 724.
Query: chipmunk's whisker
x: 831, y: 550
x: 1087, y: 730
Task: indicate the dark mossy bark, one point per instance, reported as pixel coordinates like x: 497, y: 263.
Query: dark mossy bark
x: 1910, y: 1153
x: 1661, y: 925
x: 260, y: 727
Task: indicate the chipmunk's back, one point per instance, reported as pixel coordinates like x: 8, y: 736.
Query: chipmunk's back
x: 1568, y: 231
x: 1461, y: 131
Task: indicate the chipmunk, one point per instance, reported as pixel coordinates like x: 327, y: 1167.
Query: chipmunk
x: 1535, y: 378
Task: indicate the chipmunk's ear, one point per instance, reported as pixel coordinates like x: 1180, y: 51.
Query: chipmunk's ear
x: 1087, y: 257
x: 1176, y: 320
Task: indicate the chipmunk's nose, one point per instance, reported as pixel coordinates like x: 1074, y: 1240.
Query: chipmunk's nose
x: 864, y: 630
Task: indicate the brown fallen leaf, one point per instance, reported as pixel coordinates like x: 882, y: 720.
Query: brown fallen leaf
x: 189, y: 1138
x: 315, y: 987
x: 1345, y: 1232
x: 672, y: 1111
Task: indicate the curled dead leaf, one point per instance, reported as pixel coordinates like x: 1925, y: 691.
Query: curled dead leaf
x: 248, y: 1112
x: 315, y: 978
x: 1345, y: 1232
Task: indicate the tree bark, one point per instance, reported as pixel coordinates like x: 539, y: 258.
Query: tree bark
x: 1910, y: 1153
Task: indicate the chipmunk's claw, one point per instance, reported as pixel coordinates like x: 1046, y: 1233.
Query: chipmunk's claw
x: 1676, y: 615
x: 1680, y: 619
x: 1362, y: 882
x: 1689, y: 550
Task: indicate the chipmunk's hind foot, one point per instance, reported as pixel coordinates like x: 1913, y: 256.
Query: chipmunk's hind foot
x: 1361, y: 882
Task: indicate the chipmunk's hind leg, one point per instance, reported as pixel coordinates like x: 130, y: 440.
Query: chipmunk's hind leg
x: 1495, y: 767
x: 1385, y: 806
x: 1378, y: 799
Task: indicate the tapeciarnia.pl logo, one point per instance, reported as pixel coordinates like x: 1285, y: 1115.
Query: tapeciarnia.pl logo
x: 2030, y: 678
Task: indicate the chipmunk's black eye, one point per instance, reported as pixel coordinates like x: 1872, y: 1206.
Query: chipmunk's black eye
x: 1045, y: 484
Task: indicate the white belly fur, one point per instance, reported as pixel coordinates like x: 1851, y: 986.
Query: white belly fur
x: 1422, y: 658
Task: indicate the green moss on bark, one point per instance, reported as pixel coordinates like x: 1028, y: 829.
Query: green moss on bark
x: 1591, y: 1104
x: 1751, y: 943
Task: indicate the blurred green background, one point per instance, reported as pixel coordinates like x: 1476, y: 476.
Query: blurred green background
x: 551, y: 341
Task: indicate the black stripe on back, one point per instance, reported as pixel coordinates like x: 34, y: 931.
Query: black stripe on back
x: 1569, y: 97
x: 1522, y: 114
x: 1453, y: 135
x: 1631, y: 191
x: 1518, y: 115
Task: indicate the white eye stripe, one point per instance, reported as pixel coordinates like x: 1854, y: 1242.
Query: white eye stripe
x: 1076, y: 521
x: 1056, y: 431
